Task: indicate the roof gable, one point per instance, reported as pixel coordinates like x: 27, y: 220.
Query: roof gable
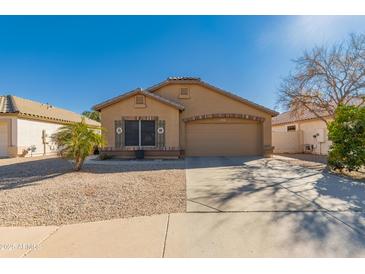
x: 124, y: 96
x: 198, y: 81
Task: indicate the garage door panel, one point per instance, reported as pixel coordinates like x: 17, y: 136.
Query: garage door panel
x: 225, y: 139
x: 3, y: 139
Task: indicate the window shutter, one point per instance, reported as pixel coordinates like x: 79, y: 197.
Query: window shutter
x: 118, y: 135
x: 161, y: 131
x: 122, y: 143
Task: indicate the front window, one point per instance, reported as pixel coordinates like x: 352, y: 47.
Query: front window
x: 291, y: 128
x: 140, y: 133
x: 147, y: 133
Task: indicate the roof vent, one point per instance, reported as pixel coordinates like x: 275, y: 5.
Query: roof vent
x: 47, y: 105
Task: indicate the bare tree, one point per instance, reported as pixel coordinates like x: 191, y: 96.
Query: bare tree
x: 93, y: 115
x: 325, y: 78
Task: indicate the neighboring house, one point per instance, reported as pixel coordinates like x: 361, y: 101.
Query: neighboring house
x: 300, y: 133
x: 26, y: 126
x: 185, y: 116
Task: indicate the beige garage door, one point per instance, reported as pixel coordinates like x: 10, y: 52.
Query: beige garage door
x: 223, y: 139
x: 3, y: 139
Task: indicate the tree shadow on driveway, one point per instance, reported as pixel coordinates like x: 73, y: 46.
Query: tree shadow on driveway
x: 324, y: 190
x: 317, y: 206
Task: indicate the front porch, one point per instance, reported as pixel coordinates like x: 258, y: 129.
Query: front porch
x: 149, y: 152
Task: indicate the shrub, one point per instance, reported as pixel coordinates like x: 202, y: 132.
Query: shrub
x: 347, y: 133
x: 104, y: 156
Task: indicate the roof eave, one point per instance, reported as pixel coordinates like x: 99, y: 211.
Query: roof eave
x: 23, y: 115
x: 113, y: 100
x: 300, y: 120
x: 124, y: 96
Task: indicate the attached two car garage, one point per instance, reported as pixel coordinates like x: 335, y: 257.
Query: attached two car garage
x: 223, y: 137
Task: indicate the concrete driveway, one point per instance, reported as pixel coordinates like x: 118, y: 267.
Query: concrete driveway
x: 236, y: 184
x: 272, y: 208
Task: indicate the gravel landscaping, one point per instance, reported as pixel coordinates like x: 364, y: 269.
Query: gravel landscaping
x: 46, y: 191
x: 319, y: 162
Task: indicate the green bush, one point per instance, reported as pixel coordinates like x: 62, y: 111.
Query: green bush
x: 347, y: 133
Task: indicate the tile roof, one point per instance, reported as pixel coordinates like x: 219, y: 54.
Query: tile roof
x: 37, y: 110
x: 290, y: 116
x: 198, y: 81
x: 6, y: 104
x: 138, y: 91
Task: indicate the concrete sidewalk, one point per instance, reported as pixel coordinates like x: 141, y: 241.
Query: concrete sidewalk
x: 131, y: 237
x: 240, y: 234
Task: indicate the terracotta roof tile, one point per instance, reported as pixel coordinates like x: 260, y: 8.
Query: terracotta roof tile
x: 37, y: 110
x: 291, y: 117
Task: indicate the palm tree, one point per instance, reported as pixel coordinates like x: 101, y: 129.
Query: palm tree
x: 76, y: 141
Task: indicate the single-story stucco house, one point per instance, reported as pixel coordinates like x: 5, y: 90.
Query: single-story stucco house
x: 26, y: 126
x: 300, y: 133
x: 184, y: 116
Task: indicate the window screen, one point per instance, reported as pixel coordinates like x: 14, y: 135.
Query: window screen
x: 131, y: 132
x: 148, y: 133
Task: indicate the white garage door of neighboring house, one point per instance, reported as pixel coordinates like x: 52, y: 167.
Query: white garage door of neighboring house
x: 3, y: 139
x: 204, y: 138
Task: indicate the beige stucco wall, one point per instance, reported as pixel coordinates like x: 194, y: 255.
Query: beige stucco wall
x: 205, y: 101
x: 286, y: 142
x: 283, y: 128
x: 153, y: 108
x: 26, y: 133
x: 305, y: 130
x: 9, y: 140
x: 312, y: 127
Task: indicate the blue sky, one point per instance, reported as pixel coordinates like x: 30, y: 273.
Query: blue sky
x: 75, y: 62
